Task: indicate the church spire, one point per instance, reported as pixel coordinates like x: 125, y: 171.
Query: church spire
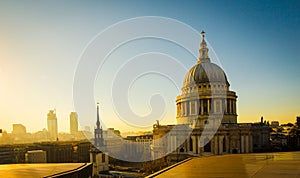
x: 98, y: 131
x: 203, y: 51
x: 98, y: 120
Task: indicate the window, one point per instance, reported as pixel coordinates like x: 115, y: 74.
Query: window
x: 181, y: 150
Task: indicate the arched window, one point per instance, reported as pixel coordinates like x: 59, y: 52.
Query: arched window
x: 181, y: 150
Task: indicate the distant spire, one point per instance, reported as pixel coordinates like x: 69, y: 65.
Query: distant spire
x: 98, y: 120
x: 203, y: 51
x: 98, y: 131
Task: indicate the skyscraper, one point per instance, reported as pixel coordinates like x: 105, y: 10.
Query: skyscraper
x: 73, y: 123
x: 19, y: 129
x: 52, y: 125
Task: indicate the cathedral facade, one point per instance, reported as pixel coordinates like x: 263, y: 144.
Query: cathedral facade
x: 208, y: 106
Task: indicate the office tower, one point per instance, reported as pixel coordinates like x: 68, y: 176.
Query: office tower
x: 52, y: 125
x: 73, y: 123
x: 18, y: 129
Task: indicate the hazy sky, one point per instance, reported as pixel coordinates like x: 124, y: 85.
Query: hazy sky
x: 41, y: 42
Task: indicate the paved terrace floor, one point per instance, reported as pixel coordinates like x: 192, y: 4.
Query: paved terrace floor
x: 35, y: 170
x: 285, y: 164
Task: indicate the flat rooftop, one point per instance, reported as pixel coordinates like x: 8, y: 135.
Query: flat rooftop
x: 283, y: 164
x: 36, y: 170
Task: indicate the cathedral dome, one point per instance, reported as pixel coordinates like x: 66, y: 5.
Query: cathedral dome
x: 205, y: 71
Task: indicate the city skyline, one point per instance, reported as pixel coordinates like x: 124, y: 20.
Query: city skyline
x: 257, y: 44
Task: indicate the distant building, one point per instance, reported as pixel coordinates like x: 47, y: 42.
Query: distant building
x: 143, y: 148
x: 73, y: 123
x: 36, y: 156
x: 18, y: 129
x: 56, y: 152
x: 100, y: 162
x: 52, y: 125
x: 112, y: 130
x: 274, y: 124
x: 112, y: 140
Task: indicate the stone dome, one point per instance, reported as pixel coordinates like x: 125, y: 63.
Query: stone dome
x: 205, y: 72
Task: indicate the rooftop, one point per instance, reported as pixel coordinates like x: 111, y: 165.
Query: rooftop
x: 38, y: 170
x: 284, y: 164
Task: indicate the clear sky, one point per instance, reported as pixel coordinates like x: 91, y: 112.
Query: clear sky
x: 257, y: 42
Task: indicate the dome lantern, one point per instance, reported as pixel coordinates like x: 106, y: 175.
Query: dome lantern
x: 203, y: 51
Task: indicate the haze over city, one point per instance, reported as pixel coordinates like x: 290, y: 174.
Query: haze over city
x: 257, y: 44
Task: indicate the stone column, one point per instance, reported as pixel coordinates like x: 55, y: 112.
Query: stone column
x: 190, y: 107
x: 251, y: 144
x: 208, y: 106
x: 234, y: 107
x: 178, y: 109
x: 171, y: 143
x: 169, y: 147
x: 216, y: 142
x: 225, y: 105
x: 184, y: 106
x: 196, y: 107
x: 214, y: 106
x: 242, y: 144
x: 201, y: 105
x: 199, y: 143
x: 227, y: 144
x: 194, y: 144
x: 230, y: 107
x: 221, y: 144
x: 181, y: 109
x: 247, y: 143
